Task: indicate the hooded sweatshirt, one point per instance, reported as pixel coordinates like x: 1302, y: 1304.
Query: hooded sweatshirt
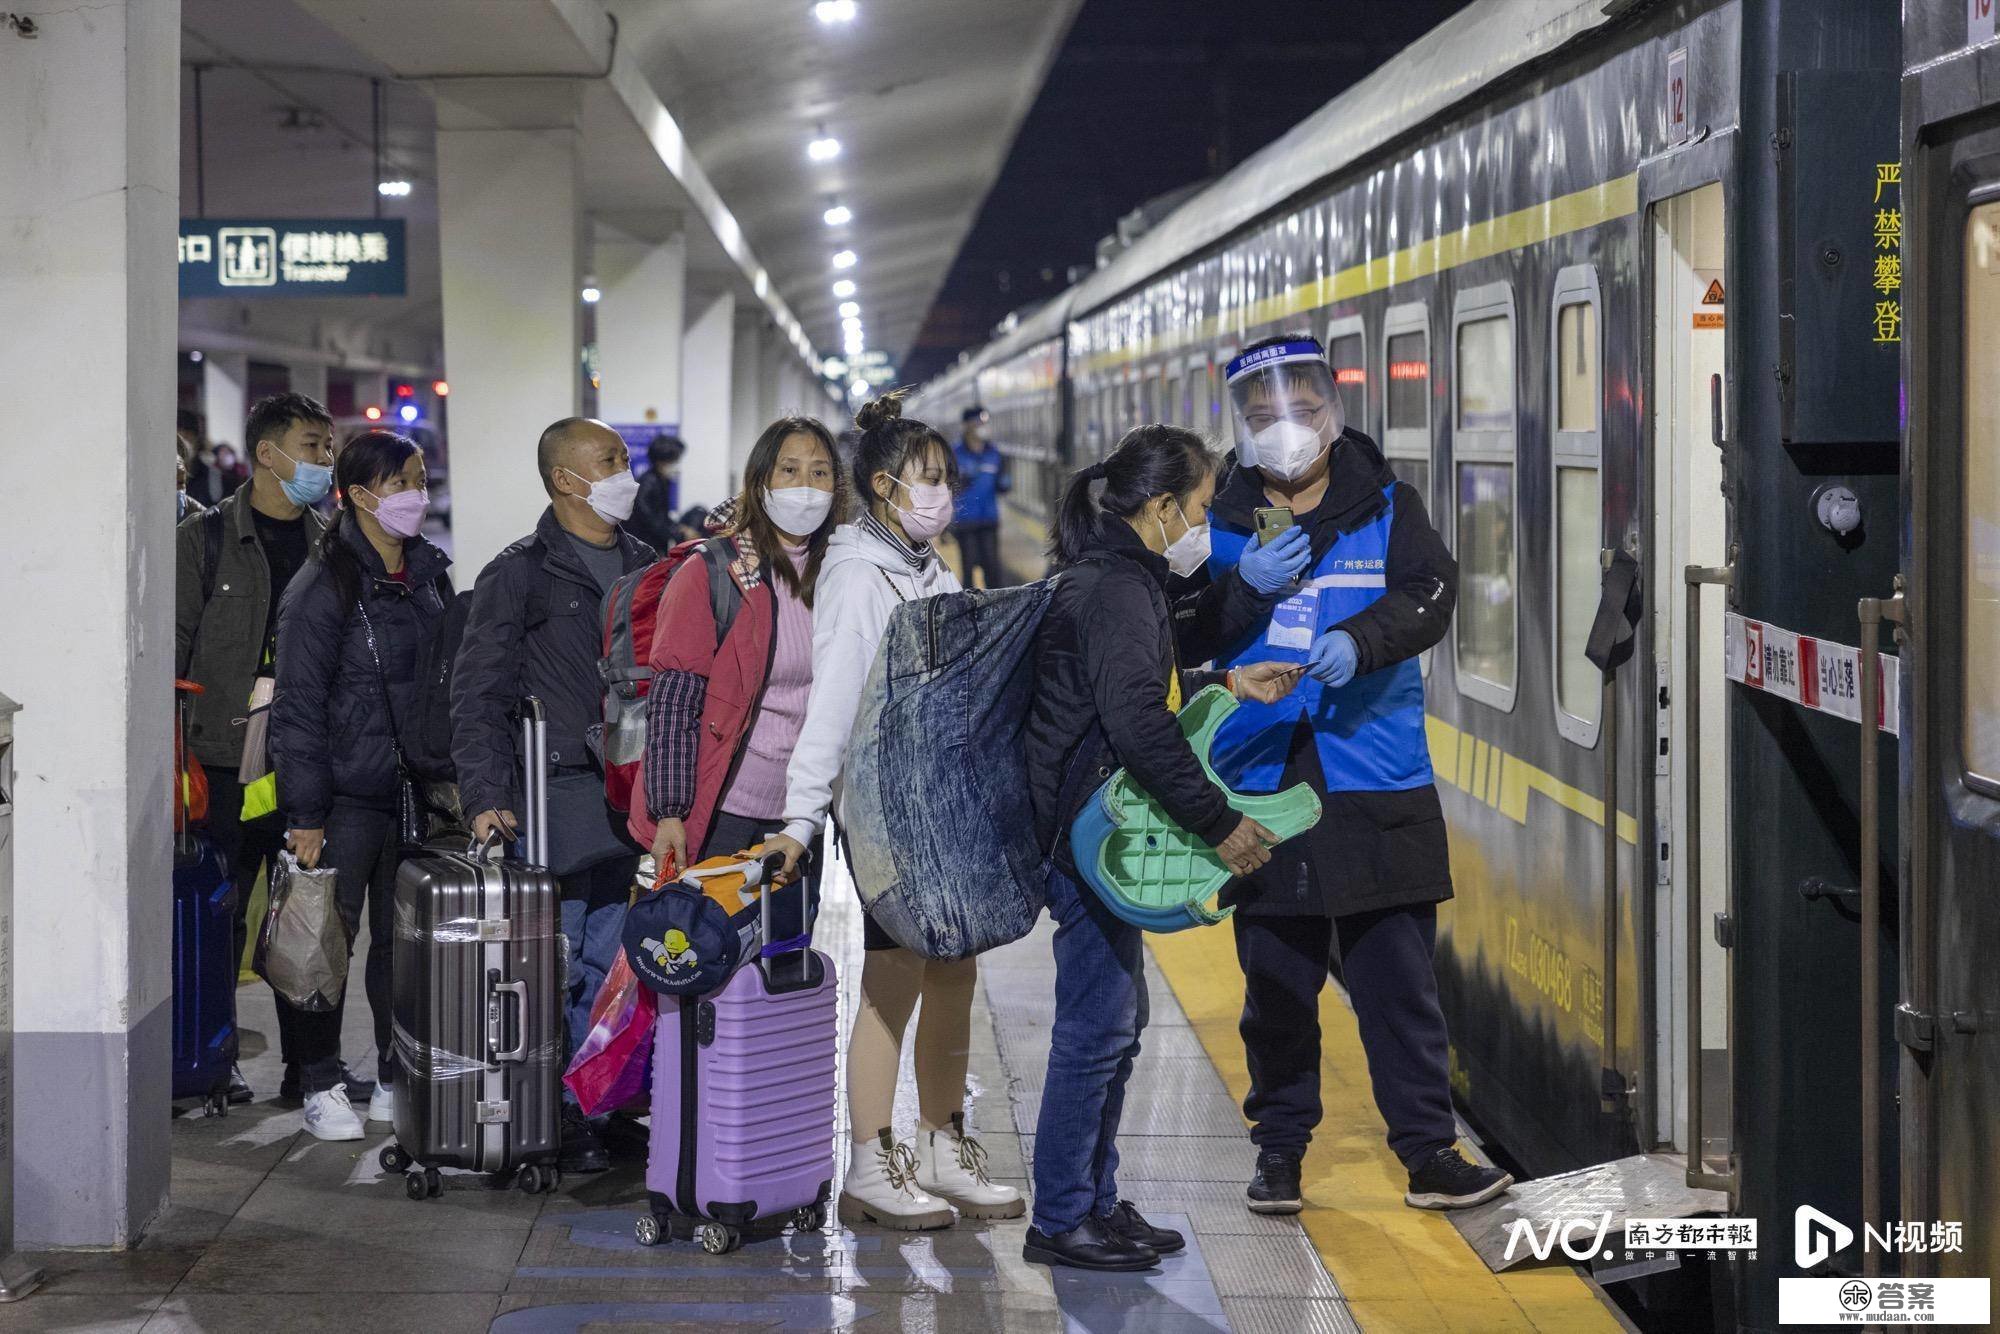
x: 866, y: 575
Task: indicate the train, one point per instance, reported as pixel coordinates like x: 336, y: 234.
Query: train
x: 1700, y: 283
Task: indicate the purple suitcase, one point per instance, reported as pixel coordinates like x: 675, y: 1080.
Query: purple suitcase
x: 743, y: 1102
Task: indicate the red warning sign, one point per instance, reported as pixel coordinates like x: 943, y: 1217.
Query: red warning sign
x: 1713, y: 296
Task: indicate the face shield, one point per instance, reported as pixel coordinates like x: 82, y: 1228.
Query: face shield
x: 1287, y: 411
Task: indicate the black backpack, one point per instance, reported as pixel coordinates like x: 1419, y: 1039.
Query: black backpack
x: 430, y: 736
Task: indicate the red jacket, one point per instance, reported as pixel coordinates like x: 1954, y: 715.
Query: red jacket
x: 706, y: 688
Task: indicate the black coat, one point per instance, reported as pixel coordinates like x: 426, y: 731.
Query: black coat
x: 534, y: 629
x: 1370, y: 849
x: 330, y: 736
x: 1104, y: 653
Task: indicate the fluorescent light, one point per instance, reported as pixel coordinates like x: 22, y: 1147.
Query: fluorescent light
x: 844, y: 259
x: 823, y: 149
x: 590, y: 296
x: 830, y: 12
x: 849, y: 308
x: 851, y: 327
x: 844, y: 288
x: 392, y: 189
x: 834, y: 366
x: 859, y: 388
x: 838, y: 216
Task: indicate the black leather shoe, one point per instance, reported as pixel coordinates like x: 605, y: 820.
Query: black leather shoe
x: 1088, y: 1245
x: 582, y: 1147
x: 1128, y: 1223
x: 1275, y: 1188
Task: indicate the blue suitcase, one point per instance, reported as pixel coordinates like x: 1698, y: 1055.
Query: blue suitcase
x: 204, y: 974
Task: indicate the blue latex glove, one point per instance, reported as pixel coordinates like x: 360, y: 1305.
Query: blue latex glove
x: 1278, y: 564
x: 1334, y: 658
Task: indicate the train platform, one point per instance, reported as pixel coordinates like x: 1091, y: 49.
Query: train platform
x: 270, y: 1229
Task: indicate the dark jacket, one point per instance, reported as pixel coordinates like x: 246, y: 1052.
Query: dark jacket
x: 652, y: 520
x: 983, y: 477
x: 330, y: 728
x: 219, y: 640
x: 1104, y: 653
x: 533, y: 629
x: 1370, y: 849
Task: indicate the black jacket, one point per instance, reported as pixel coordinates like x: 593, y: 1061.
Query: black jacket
x: 533, y: 630
x: 330, y: 729
x: 652, y: 520
x: 1103, y: 654
x: 1370, y: 850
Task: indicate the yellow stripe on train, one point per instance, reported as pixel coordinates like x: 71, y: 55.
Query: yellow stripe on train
x: 1489, y: 774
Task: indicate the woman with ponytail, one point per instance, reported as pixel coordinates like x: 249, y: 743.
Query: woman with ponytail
x: 1109, y: 681
x: 353, y: 629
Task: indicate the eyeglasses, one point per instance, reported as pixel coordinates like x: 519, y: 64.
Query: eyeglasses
x: 1259, y: 419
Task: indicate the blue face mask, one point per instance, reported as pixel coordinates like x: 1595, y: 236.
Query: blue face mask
x: 308, y: 482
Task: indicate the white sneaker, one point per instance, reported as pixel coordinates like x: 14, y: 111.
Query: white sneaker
x: 952, y: 1166
x: 330, y: 1115
x: 382, y: 1107
x: 882, y: 1188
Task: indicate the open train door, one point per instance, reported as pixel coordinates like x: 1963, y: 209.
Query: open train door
x: 1690, y: 848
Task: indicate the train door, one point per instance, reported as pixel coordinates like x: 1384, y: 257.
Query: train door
x: 1690, y: 801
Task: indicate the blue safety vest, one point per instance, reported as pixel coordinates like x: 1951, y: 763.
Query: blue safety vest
x: 1370, y: 732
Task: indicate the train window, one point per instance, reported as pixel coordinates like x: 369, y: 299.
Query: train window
x: 1576, y: 456
x: 1486, y: 625
x: 1979, y: 712
x: 1347, y: 352
x: 1409, y: 382
x: 1406, y: 420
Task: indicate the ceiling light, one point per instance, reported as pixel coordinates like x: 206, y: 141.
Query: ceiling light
x: 440, y: 388
x: 859, y: 388
x: 830, y: 12
x: 838, y: 216
x: 590, y: 296
x: 372, y: 413
x: 195, y: 355
x: 824, y: 147
x: 834, y: 366
x: 844, y: 288
x: 849, y: 308
x: 844, y: 259
x: 392, y: 189
x: 852, y: 324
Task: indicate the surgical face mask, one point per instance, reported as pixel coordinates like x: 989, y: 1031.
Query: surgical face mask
x: 308, y: 483
x: 1285, y: 449
x: 798, y: 510
x: 930, y: 510
x: 402, y: 515
x: 611, y: 497
x: 1187, y: 553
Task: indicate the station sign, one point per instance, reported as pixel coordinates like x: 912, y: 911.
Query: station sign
x: 291, y: 257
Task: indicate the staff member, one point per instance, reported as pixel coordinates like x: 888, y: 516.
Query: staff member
x: 1366, y: 881
x: 983, y: 479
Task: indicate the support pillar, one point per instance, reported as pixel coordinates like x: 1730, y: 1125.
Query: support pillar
x: 90, y: 170
x: 510, y: 238
x: 225, y: 398
x: 750, y: 407
x: 639, y: 329
x: 309, y: 378
x: 708, y: 355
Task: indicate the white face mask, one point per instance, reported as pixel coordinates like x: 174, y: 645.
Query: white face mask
x: 798, y: 510
x: 1187, y: 553
x: 611, y: 497
x: 1284, y: 449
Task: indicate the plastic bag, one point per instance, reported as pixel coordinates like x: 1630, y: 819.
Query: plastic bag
x: 612, y: 1064
x: 302, y: 947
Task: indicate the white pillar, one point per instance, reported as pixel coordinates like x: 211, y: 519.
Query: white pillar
x: 225, y: 398
x: 509, y: 237
x: 749, y: 409
x: 708, y: 354
x: 639, y: 329
x: 309, y: 378
x: 90, y: 170
x: 371, y: 389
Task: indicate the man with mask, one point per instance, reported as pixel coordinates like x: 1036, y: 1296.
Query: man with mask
x: 1360, y: 890
x: 983, y: 479
x: 534, y: 630
x: 232, y: 563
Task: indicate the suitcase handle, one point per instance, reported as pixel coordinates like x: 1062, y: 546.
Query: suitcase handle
x: 518, y: 1052
x: 535, y: 780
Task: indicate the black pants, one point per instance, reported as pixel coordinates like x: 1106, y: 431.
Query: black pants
x: 1385, y: 959
x: 361, y: 846
x: 247, y: 846
x: 979, y: 548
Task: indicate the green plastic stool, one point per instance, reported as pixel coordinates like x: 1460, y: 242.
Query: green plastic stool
x: 1150, y: 871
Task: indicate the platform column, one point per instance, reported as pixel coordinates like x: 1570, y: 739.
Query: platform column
x: 309, y: 378
x: 639, y: 329
x: 225, y: 398
x: 708, y: 355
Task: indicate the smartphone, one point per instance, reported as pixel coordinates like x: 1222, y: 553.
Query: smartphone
x: 1272, y: 521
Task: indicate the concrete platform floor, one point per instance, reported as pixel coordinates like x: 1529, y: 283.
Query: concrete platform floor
x: 271, y: 1230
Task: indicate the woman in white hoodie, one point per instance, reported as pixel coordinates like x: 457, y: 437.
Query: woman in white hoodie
x: 903, y: 471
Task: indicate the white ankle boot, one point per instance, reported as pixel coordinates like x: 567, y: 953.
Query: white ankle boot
x: 952, y: 1166
x: 882, y: 1188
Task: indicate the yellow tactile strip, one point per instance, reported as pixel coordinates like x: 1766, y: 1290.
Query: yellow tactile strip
x: 1400, y: 1269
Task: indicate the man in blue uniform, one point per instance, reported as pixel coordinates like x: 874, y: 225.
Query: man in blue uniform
x: 982, y: 471
x: 1360, y: 891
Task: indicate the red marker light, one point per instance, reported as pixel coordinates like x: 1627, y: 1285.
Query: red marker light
x: 1409, y: 370
x: 372, y: 413
x: 404, y: 391
x: 440, y: 388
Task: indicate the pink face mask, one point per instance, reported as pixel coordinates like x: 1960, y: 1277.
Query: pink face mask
x: 402, y: 515
x: 930, y: 510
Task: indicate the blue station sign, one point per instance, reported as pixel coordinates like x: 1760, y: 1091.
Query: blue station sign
x: 291, y: 257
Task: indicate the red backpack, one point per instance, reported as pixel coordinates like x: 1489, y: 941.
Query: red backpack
x: 631, y: 609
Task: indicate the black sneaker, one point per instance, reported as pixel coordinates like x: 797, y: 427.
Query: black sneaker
x: 1089, y: 1245
x: 1128, y: 1223
x: 1275, y: 1188
x: 582, y: 1147
x: 1445, y: 1180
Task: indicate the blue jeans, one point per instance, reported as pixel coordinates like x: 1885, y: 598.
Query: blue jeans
x: 1100, y: 1012
x: 593, y: 918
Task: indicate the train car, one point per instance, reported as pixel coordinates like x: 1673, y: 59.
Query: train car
x: 1608, y: 277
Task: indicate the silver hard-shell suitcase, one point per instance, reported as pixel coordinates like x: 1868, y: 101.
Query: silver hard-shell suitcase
x: 479, y: 957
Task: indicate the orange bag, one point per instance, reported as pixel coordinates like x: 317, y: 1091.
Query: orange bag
x: 190, y: 779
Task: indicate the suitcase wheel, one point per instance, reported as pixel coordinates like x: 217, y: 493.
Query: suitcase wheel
x: 647, y: 1230
x: 809, y: 1219
x: 392, y: 1157
x: 415, y: 1187
x: 433, y: 1182
x: 533, y: 1179
x: 718, y: 1238
x: 216, y: 1103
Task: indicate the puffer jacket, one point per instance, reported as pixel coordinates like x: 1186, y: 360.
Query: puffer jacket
x: 1105, y: 654
x: 330, y: 726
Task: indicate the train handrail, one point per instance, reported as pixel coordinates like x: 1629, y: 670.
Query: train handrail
x: 1872, y: 611
x: 1697, y: 1174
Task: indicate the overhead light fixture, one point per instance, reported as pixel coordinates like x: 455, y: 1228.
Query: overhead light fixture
x: 408, y: 412
x: 372, y: 413
x: 844, y: 288
x: 853, y: 347
x: 824, y: 147
x: 591, y: 295
x: 195, y: 355
x: 859, y: 388
x: 392, y: 189
x: 834, y: 366
x: 830, y: 12
x: 852, y: 324
x: 849, y: 308
x: 844, y: 259
x: 838, y: 216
